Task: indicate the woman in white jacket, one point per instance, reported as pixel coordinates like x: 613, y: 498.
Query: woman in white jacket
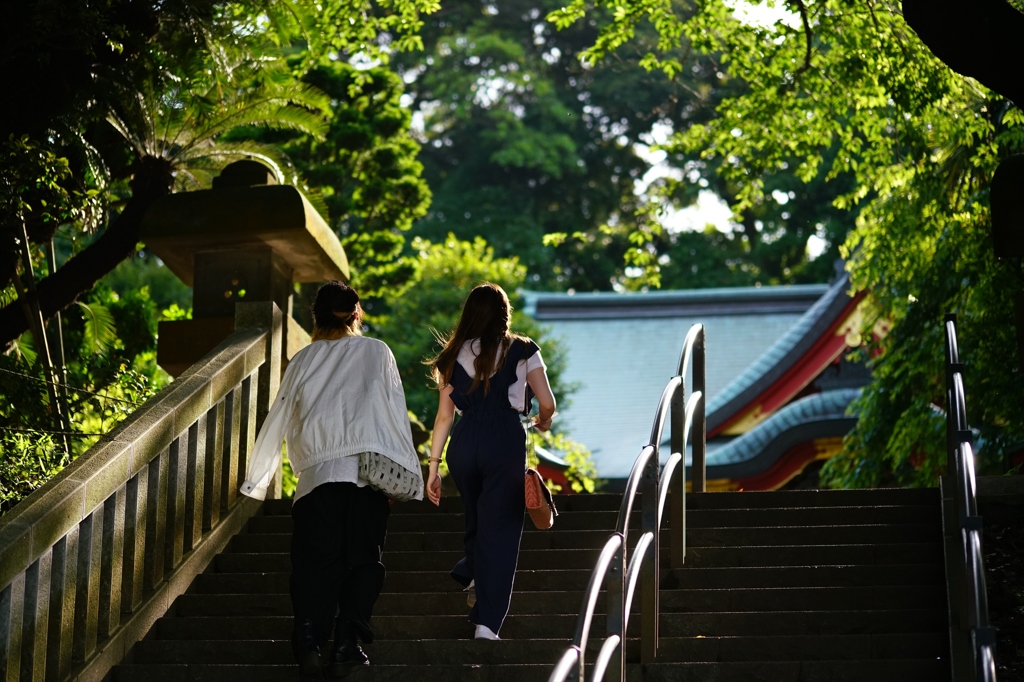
x: 340, y: 396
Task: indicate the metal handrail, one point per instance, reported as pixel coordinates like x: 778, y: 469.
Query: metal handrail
x: 632, y: 485
x: 611, y: 546
x: 621, y: 576
x: 604, y: 656
x: 633, y: 572
x: 676, y: 458
x: 961, y: 464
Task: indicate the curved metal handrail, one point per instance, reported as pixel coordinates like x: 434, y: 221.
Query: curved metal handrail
x: 658, y: 428
x: 569, y: 660
x: 689, y: 343
x: 677, y: 458
x: 611, y: 642
x: 632, y: 484
x: 962, y: 467
x: 969, y: 479
x: 611, y: 546
x: 633, y: 572
x: 604, y: 657
x: 643, y: 474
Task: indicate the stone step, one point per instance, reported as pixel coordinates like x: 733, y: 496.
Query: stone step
x: 813, y: 535
x: 794, y: 585
x: 402, y: 547
x: 788, y: 671
x: 873, y: 552
x: 516, y: 652
x: 564, y: 503
x: 811, y: 516
x: 699, y: 518
x: 561, y: 626
x: 411, y: 581
x: 437, y: 560
x: 439, y: 523
x: 887, y: 670
x: 814, y: 498
x: 871, y: 534
x: 804, y: 576
x: 274, y: 600
x: 372, y: 673
x: 809, y: 555
x: 718, y: 500
x: 899, y: 670
x: 403, y: 578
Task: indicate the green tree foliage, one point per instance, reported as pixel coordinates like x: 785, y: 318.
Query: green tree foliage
x: 768, y: 243
x: 111, y: 105
x: 521, y: 141
x: 142, y: 88
x: 365, y: 168
x: 835, y: 90
x: 110, y: 369
x: 525, y: 142
x: 581, y: 473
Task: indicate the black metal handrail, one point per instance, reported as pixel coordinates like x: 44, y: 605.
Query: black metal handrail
x: 960, y: 463
x: 620, y: 570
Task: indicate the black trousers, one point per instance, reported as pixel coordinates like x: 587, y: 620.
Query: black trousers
x: 337, y: 541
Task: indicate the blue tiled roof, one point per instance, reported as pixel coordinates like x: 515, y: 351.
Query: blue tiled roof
x: 830, y: 405
x: 621, y: 357
x: 780, y: 356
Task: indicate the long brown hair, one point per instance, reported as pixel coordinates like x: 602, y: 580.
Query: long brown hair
x: 485, y: 316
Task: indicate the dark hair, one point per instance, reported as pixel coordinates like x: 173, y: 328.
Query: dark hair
x: 485, y: 316
x: 335, y: 309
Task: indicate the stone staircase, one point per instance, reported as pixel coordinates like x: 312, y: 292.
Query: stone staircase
x: 779, y: 586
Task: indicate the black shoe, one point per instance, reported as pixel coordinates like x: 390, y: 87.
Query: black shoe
x: 306, y: 650
x: 346, y: 655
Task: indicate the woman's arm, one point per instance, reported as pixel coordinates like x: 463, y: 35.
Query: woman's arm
x: 538, y: 381
x: 438, y: 437
x: 265, y: 459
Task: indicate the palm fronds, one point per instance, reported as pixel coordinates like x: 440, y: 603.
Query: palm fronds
x: 182, y: 119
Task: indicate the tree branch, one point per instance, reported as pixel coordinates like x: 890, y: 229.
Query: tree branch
x: 81, y: 272
x: 808, y: 36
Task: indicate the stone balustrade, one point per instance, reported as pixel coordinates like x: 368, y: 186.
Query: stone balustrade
x: 89, y: 561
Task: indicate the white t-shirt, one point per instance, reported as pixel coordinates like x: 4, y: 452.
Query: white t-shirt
x: 340, y: 470
x: 517, y: 391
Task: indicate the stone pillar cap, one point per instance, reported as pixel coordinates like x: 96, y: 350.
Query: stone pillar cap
x: 278, y: 216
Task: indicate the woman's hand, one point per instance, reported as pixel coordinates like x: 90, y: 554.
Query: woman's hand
x: 542, y: 424
x: 434, y: 488
x: 438, y: 437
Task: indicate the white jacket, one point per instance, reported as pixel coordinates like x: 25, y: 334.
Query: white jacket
x: 337, y: 398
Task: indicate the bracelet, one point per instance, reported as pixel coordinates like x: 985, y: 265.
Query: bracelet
x: 431, y: 460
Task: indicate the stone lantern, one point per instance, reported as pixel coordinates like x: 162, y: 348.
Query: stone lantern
x: 248, y: 239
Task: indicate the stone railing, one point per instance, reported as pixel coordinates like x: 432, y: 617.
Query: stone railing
x: 89, y: 561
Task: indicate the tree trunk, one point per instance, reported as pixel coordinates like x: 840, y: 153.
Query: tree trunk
x: 151, y: 182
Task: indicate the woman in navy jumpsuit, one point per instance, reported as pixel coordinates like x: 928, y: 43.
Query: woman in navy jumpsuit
x: 487, y: 452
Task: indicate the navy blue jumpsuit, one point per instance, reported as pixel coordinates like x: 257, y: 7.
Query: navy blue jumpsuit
x: 487, y: 460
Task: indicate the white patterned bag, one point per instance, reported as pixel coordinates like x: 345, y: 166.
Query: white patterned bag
x: 389, y: 477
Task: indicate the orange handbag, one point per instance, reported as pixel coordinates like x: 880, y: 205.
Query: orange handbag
x: 539, y: 502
